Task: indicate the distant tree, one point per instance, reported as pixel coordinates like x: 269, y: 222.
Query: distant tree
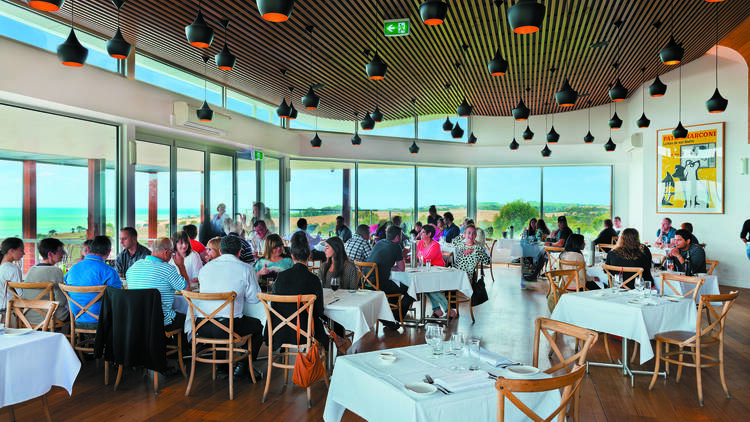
x: 52, y: 232
x: 516, y: 213
x: 83, y: 229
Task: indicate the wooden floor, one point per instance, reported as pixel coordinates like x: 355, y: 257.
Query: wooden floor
x: 505, y: 324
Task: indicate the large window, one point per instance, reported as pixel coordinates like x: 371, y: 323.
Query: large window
x: 402, y: 128
x: 444, y: 187
x: 431, y: 127
x: 190, y: 190
x: 152, y: 203
x: 270, y: 192
x: 384, y: 192
x: 582, y: 193
x: 249, y: 106
x: 168, y: 77
x: 507, y: 197
x: 11, y: 201
x: 221, y: 183
x: 320, y: 191
x: 307, y: 122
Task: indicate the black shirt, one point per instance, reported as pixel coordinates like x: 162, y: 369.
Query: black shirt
x: 642, y: 261
x: 451, y: 232
x: 564, y: 233
x: 125, y: 259
x: 745, y: 233
x: 432, y: 220
x: 605, y: 237
x: 297, y: 280
x: 386, y: 254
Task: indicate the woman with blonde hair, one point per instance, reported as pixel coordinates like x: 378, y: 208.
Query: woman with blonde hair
x: 213, y: 248
x: 630, y: 253
x: 273, y: 260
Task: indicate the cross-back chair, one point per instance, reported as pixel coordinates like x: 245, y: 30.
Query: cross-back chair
x: 493, y: 242
x: 371, y: 279
x: 78, y: 343
x: 711, y: 266
x: 553, y: 257
x: 579, y: 266
x: 18, y: 308
x: 611, y: 270
x: 561, y: 282
x: 456, y: 298
x: 46, y: 293
x: 605, y: 248
x: 672, y: 283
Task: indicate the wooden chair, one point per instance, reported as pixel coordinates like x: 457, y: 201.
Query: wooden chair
x: 675, y: 283
x: 711, y: 266
x: 46, y: 288
x: 78, y: 344
x: 18, y: 308
x: 492, y: 251
x: 614, y: 240
x: 553, y: 260
x: 704, y: 336
x: 585, y: 339
x: 605, y: 248
x: 288, y: 350
x: 658, y: 259
x: 580, y: 267
x: 369, y: 272
x: 231, y: 344
x: 560, y: 282
x: 611, y: 270
x: 569, y: 383
x: 457, y: 298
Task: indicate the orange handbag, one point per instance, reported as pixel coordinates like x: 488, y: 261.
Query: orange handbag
x: 308, y: 368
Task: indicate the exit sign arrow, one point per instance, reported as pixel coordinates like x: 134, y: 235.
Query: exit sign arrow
x: 396, y: 27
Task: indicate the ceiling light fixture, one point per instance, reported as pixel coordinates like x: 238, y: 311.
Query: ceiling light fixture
x: 275, y: 10
x: 46, y: 5
x: 472, y: 139
x: 283, y: 110
x: 316, y: 142
x: 117, y: 47
x: 615, y: 122
x: 658, y: 88
x: 205, y: 114
x: 546, y: 152
x: 514, y: 144
x: 225, y: 60
x: 367, y: 123
x: 643, y: 122
x: 377, y: 116
x: 566, y: 96
x: 433, y: 12
x: 414, y: 148
x: 552, y: 136
x: 528, y: 134
x: 610, y: 145
x: 292, y: 111
x: 356, y: 139
x: 680, y: 132
x: 618, y: 92
x: 457, y: 132
x: 717, y: 103
x: 71, y: 52
x: 526, y: 16
x: 198, y: 33
x: 589, y: 138
x: 672, y: 53
x: 498, y: 65
x: 311, y: 101
x: 447, y: 125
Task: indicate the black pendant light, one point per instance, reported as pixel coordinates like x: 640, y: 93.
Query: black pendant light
x: 658, y: 88
x: 377, y: 68
x: 117, y: 47
x: 292, y: 111
x: 618, y: 92
x: 275, y: 10
x: 356, y: 139
x: 368, y: 123
x: 672, y: 53
x: 514, y: 144
x: 464, y: 109
x: 552, y: 136
x: 717, y: 103
x: 526, y: 16
x: 316, y: 142
x: 225, y: 60
x: 457, y: 132
x: 447, y: 125
x: 589, y: 138
x: 610, y: 145
x: 680, y: 132
x: 546, y: 152
x: 433, y: 12
x: 198, y: 33
x: 472, y: 139
x: 205, y: 114
x: 498, y: 65
x: 46, y: 5
x: 566, y: 96
x: 643, y: 122
x: 71, y: 52
x: 311, y: 100
x: 528, y: 134
x: 283, y: 110
x: 615, y: 122
x: 414, y: 148
x: 377, y: 116
x: 521, y: 112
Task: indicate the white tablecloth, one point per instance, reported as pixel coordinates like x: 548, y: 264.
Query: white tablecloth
x: 510, y: 247
x: 374, y: 390
x: 600, y: 310
x: 434, y: 279
x: 357, y: 311
x: 709, y: 287
x: 32, y: 363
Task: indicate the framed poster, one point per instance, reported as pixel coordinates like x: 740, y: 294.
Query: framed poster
x: 690, y: 171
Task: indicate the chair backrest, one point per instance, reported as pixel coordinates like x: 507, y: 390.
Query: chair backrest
x: 548, y: 327
x: 44, y: 286
x: 19, y: 308
x: 493, y: 242
x: 711, y: 266
x: 197, y: 311
x: 82, y: 309
x: 716, y: 320
x: 579, y: 266
x: 604, y: 248
x: 614, y: 240
x: 560, y: 282
x: 611, y: 270
x: 570, y: 383
x: 305, y: 303
x: 553, y: 260
x: 658, y: 259
x: 369, y: 272
x: 675, y: 282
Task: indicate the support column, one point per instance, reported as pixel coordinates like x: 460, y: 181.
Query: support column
x: 153, y: 205
x: 29, y: 214
x: 96, y: 214
x: 346, y: 207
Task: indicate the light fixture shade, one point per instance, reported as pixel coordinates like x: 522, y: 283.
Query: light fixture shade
x: 457, y: 132
x: 658, y: 88
x: 311, y: 101
x: 526, y: 16
x: 283, y: 109
x: 498, y: 65
x: 672, y: 53
x: 717, y: 103
x: 643, y: 122
x: 464, y: 110
x: 117, y: 47
x: 377, y: 68
x: 292, y: 112
x: 447, y: 125
x: 472, y: 139
x: 589, y: 138
x: 521, y: 112
x: 367, y: 123
x: 552, y: 136
x: 528, y: 134
x: 377, y: 115
x: 275, y: 10
x: 316, y: 142
x: 225, y: 60
x: 680, y: 132
x: 198, y: 33
x: 433, y: 12
x: 414, y: 148
x: 71, y: 52
x: 205, y: 114
x: 618, y: 92
x: 546, y: 152
x: 513, y: 145
x: 46, y: 5
x: 610, y: 145
x: 615, y: 122
x: 356, y: 140
x: 566, y: 96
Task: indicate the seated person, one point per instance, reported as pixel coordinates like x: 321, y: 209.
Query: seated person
x: 572, y: 252
x: 358, y: 247
x: 195, y: 245
x: 315, y: 254
x: 468, y: 253
x: 541, y: 229
x: 228, y: 274
x: 606, y: 235
x: 273, y: 261
x: 11, y: 250
x: 132, y: 251
x: 387, y: 254
x: 298, y: 280
x: 618, y: 225
x: 429, y: 250
x: 683, y: 247
x: 213, y: 249
x: 260, y: 232
x: 92, y: 271
x: 338, y: 265
x: 530, y: 230
x: 342, y: 230
x: 563, y: 231
x: 155, y: 272
x: 417, y: 230
x: 689, y: 227
x: 84, y: 250
x: 52, y: 252
x: 665, y: 233
x: 234, y: 228
x: 451, y: 230
x: 630, y: 253
x: 439, y: 229
x: 192, y: 260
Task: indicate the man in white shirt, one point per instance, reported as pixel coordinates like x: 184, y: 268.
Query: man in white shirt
x: 228, y: 274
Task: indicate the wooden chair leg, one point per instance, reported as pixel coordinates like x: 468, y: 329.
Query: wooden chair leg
x: 179, y: 355
x: 268, y: 375
x: 656, y: 368
x: 231, y: 375
x: 45, y: 407
x: 492, y: 274
x: 309, y: 399
x: 156, y: 382
x: 471, y: 311
x: 11, y: 414
x: 635, y: 352
x: 192, y: 372
x: 679, y: 367
x: 666, y: 364
x: 400, y: 313
x: 698, y: 380
x: 250, y: 362
x: 286, y: 371
x: 119, y: 377
x: 106, y: 373
x: 213, y: 365
x: 721, y: 368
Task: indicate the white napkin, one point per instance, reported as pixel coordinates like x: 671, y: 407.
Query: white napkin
x: 458, y: 381
x: 493, y: 358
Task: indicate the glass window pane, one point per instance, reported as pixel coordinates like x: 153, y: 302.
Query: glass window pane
x: 221, y: 183
x: 11, y: 201
x: 431, y: 127
x: 445, y: 188
x: 190, y: 192
x: 246, y: 187
x: 152, y: 205
x: 403, y: 128
x: 52, y: 217
x: 270, y: 192
x: 582, y: 194
x: 306, y: 121
x: 384, y: 192
x: 507, y: 196
x: 317, y: 193
x: 249, y: 106
x: 168, y: 77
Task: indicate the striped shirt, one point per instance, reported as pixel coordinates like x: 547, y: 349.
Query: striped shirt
x: 153, y: 273
x: 246, y: 253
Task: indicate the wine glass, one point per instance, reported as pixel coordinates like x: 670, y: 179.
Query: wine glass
x: 334, y: 285
x: 434, y: 337
x: 639, y: 285
x: 617, y: 282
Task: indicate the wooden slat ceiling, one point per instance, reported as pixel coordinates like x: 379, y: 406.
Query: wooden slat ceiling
x: 422, y: 63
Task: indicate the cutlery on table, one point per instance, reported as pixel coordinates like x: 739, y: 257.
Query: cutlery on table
x: 505, y: 365
x: 428, y: 379
x: 334, y: 301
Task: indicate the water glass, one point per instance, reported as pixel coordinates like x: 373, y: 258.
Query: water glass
x: 457, y: 343
x: 647, y: 285
x: 473, y: 344
x: 434, y: 337
x: 639, y: 285
x: 428, y: 263
x: 617, y: 282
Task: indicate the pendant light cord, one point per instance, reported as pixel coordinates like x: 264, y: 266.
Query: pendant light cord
x: 72, y: 10
x: 679, y: 108
x: 205, y: 84
x: 716, y: 65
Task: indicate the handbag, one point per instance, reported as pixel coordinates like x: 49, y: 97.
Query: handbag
x: 480, y: 293
x: 308, y: 367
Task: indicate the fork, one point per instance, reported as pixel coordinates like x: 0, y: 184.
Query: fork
x: 428, y: 379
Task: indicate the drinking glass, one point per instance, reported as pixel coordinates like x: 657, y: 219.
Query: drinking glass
x: 639, y: 285
x: 334, y: 285
x: 617, y: 282
x: 434, y: 337
x: 457, y: 343
x: 647, y: 285
x: 428, y: 263
x: 474, y: 353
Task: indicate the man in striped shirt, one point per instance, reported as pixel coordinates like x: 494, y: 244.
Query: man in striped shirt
x: 155, y: 272
x: 246, y: 253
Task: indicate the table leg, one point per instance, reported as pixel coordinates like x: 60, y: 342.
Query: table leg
x: 623, y: 364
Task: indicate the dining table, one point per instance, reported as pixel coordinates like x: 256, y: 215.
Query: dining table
x: 432, y: 279
x: 380, y: 390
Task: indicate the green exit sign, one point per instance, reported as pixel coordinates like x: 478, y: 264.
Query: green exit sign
x: 396, y: 27
x: 258, y: 155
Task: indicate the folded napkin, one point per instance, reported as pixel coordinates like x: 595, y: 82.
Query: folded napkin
x: 458, y: 381
x: 493, y: 358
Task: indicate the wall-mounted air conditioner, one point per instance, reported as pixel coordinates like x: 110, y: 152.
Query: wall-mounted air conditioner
x: 183, y: 115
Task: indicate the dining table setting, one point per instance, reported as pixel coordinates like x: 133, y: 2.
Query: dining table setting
x: 432, y: 278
